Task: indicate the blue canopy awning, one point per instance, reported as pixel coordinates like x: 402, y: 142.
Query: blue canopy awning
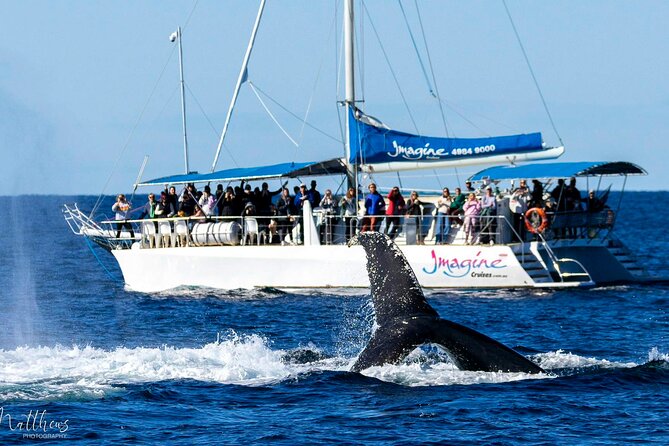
x: 558, y: 170
x: 288, y: 170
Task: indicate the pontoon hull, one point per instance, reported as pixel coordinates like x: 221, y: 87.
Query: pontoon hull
x: 233, y: 267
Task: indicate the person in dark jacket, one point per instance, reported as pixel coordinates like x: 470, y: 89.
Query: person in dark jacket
x: 172, y: 198
x: 286, y: 215
x: 165, y: 208
x: 315, y: 195
x: 456, y: 207
x: 229, y: 204
x: 264, y: 199
x: 559, y: 194
x: 537, y: 196
x: 220, y: 194
x: 415, y: 211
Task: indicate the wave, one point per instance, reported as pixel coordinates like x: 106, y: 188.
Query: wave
x: 82, y: 373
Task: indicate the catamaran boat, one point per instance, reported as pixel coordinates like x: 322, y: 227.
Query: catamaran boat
x: 549, y: 248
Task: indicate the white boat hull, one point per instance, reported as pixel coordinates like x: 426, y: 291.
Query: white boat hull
x: 234, y: 267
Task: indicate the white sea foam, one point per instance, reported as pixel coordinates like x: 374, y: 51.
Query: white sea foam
x: 655, y: 355
x: 62, y: 373
x: 565, y: 360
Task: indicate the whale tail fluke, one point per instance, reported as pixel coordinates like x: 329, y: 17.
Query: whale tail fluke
x: 405, y: 320
x: 395, y: 289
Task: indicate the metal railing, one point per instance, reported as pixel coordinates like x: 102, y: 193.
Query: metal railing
x: 564, y: 260
x: 332, y: 230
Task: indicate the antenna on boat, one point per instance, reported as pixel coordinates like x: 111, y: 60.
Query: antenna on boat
x: 176, y: 36
x: 240, y: 80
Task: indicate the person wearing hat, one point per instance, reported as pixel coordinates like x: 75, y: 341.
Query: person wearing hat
x: 518, y: 206
x: 301, y: 196
x: 315, y: 195
x: 468, y: 187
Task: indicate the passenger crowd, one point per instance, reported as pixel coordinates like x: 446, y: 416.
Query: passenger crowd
x: 280, y: 211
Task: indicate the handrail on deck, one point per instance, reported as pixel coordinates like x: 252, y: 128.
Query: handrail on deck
x: 556, y: 262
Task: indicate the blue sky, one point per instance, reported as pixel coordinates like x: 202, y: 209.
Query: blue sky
x: 77, y: 74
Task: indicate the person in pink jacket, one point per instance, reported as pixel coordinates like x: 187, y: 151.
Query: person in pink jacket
x: 472, y: 210
x: 394, y: 210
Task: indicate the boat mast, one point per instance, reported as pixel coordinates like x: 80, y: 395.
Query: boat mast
x: 177, y: 36
x: 240, y: 80
x: 349, y: 59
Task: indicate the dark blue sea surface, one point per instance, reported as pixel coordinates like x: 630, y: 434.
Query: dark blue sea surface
x: 84, y: 359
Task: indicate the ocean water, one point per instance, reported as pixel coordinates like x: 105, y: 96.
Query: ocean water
x: 83, y: 359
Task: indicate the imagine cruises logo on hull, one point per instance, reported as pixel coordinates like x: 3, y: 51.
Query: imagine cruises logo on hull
x: 456, y: 267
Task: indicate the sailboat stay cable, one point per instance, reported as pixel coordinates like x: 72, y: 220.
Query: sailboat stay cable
x: 315, y: 86
x: 98, y: 202
x: 294, y: 115
x: 131, y: 134
x: 390, y: 67
x: 415, y: 47
x: 534, y: 78
x: 429, y: 61
x: 211, y: 124
x: 457, y: 175
x: 451, y: 106
x: 434, y: 171
x: 271, y: 115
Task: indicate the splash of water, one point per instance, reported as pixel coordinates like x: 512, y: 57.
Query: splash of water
x: 63, y: 373
x: 22, y: 310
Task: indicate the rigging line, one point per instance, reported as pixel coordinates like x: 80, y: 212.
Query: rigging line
x: 415, y: 47
x: 434, y: 171
x: 390, y: 67
x: 271, y: 115
x: 457, y: 175
x: 159, y: 116
x: 452, y: 106
x: 190, y: 15
x: 90, y: 246
x: 139, y: 119
x: 429, y: 61
x: 132, y: 133
x: 534, y: 78
x: 211, y: 124
x: 313, y: 90
x: 399, y: 179
x: 464, y: 118
x: 294, y: 115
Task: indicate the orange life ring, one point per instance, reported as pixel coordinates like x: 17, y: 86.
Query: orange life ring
x: 528, y: 223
